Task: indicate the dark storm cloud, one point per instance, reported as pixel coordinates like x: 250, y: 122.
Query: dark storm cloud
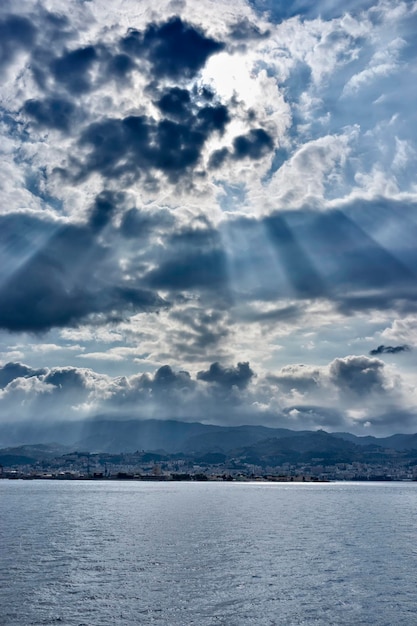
x: 359, y: 375
x: 175, y: 102
x: 57, y: 63
x: 11, y: 371
x: 104, y: 208
x: 16, y: 34
x: 304, y: 278
x: 138, y: 144
x: 364, y: 261
x: 66, y: 379
x: 212, y: 118
x: 119, y: 66
x: 139, y: 224
x: 193, y: 259
x: 168, y: 393
x: 65, y: 278
x: 302, y: 254
x: 72, y: 69
x: 166, y: 378
x: 175, y: 49
x: 389, y: 350
x: 238, y: 376
x: 254, y: 145
x: 45, y: 39
x: 201, y: 270
x: 170, y: 390
x: 165, y: 390
x: 219, y: 394
x: 55, y: 275
x: 53, y: 112
x: 339, y: 255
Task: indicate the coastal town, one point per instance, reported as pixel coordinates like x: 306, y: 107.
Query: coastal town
x: 211, y: 467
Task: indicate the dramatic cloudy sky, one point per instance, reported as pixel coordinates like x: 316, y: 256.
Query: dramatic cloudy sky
x: 209, y: 212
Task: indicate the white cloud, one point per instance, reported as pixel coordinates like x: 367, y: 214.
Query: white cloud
x: 402, y: 331
x: 336, y: 97
x: 315, y: 167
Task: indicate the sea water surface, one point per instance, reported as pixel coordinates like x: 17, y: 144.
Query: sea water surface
x: 233, y: 554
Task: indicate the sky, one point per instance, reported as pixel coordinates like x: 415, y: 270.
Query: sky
x: 209, y: 212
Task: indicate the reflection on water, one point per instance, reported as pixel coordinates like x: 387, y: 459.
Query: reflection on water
x: 105, y: 553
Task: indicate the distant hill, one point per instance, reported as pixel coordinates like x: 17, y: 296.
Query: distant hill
x: 225, y: 439
x: 309, y: 447
x: 394, y: 442
x: 29, y: 454
x: 106, y: 434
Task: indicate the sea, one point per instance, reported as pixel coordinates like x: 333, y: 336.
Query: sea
x: 98, y: 553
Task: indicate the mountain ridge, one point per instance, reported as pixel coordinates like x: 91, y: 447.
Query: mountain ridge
x: 106, y: 434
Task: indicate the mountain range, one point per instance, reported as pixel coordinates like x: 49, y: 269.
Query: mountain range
x: 251, y: 444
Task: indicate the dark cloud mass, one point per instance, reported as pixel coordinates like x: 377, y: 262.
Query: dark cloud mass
x: 358, y: 374
x: 120, y: 65
x: 175, y: 49
x: 193, y: 259
x: 219, y: 394
x: 104, y: 208
x: 254, y: 145
x: 72, y: 69
x: 197, y: 198
x: 67, y: 277
x: 56, y: 113
x: 11, y: 371
x: 139, y: 224
x: 66, y: 379
x: 175, y: 102
x: 238, y: 376
x: 139, y: 144
x: 389, y: 350
x: 193, y: 270
x: 16, y: 33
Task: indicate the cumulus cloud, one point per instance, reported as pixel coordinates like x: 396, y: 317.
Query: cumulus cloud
x: 175, y: 49
x: 137, y: 143
x: 16, y: 34
x: 202, y: 186
x: 358, y: 375
x: 11, y: 371
x: 239, y: 376
x: 402, y: 329
x: 354, y: 392
x: 297, y: 377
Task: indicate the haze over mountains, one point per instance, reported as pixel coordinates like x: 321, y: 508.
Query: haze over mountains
x: 255, y: 444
